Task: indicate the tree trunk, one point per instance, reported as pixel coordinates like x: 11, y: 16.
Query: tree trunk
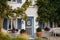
x: 1, y: 23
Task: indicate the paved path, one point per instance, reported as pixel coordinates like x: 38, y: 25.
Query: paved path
x: 54, y: 38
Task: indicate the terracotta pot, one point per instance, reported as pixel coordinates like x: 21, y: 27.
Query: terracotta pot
x: 39, y: 34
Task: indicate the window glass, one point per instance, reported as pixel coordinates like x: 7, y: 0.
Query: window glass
x: 19, y: 1
x: 14, y: 0
x: 9, y: 0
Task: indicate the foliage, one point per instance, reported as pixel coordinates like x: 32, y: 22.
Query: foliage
x: 38, y: 29
x: 4, y: 37
x: 21, y: 11
x: 7, y: 12
x: 47, y: 10
x: 37, y: 38
x: 17, y: 39
x: 7, y: 37
x: 24, y: 8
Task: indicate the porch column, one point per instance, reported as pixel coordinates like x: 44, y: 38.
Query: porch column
x: 48, y: 24
x: 53, y: 24
x: 23, y: 24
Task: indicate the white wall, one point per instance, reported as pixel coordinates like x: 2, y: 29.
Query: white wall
x: 15, y: 4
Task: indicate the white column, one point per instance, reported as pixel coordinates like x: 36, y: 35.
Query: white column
x: 23, y: 24
x: 11, y: 23
x: 53, y: 24
x: 33, y: 2
x: 16, y: 23
x: 48, y: 24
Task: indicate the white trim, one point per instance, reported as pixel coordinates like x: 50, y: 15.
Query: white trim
x: 8, y: 25
x: 53, y: 24
x: 16, y: 23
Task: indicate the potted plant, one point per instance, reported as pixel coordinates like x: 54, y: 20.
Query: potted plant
x: 46, y: 29
x: 39, y: 32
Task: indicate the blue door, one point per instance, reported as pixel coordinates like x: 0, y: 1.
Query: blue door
x: 5, y: 23
x: 19, y: 23
x: 29, y: 25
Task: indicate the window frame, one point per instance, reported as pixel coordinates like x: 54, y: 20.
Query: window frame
x: 8, y: 0
x: 13, y: 1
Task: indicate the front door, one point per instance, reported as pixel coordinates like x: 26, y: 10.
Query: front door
x: 29, y: 25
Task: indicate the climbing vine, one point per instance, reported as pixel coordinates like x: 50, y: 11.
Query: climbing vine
x: 7, y: 12
x: 21, y: 11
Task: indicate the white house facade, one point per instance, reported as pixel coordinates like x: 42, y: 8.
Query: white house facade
x: 31, y: 25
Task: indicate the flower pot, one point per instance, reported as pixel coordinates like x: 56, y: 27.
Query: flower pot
x: 39, y: 34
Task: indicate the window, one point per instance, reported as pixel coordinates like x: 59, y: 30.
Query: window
x: 9, y: 0
x: 14, y: 0
x: 19, y: 1
x: 12, y: 24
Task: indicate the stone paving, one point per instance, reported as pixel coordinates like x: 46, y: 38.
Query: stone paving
x: 54, y: 38
x: 50, y: 38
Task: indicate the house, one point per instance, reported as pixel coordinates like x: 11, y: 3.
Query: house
x: 18, y: 23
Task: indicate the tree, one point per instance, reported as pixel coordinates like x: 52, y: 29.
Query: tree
x: 47, y: 10
x: 6, y: 11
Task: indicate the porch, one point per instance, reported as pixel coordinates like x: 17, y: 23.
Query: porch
x: 45, y: 35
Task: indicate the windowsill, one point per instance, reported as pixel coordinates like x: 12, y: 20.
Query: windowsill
x: 31, y: 38
x: 13, y: 2
x: 31, y: 6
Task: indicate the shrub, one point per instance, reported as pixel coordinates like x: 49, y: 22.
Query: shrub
x: 38, y: 29
x: 4, y: 37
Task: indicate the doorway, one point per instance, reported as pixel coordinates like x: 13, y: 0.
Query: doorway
x: 29, y: 25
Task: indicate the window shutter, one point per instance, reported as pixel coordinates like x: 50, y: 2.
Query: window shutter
x: 19, y: 23
x: 51, y: 25
x: 19, y: 1
x: 5, y: 22
x: 41, y: 24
